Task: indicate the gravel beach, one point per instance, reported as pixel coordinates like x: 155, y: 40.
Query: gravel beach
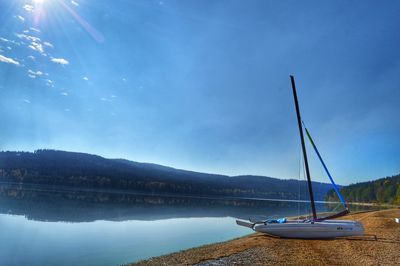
x: 380, y: 246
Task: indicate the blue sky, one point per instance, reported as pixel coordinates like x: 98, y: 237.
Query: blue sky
x: 204, y: 85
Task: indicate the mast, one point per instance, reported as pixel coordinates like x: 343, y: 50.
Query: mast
x: 304, y: 149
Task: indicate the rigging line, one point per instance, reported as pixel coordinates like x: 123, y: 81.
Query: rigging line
x: 365, y: 216
x: 326, y: 169
x: 334, y: 209
x: 299, y: 184
x: 306, y: 206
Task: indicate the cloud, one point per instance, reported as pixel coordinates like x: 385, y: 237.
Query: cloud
x: 31, y: 57
x: 64, y: 94
x: 37, y: 73
x: 48, y: 44
x: 31, y: 72
x: 21, y: 18
x: 85, y: 78
x: 74, y: 3
x: 28, y: 8
x: 37, y: 47
x: 8, y: 60
x: 49, y: 83
x: 28, y: 37
x: 31, y: 76
x: 9, y: 41
x: 34, y: 29
x: 60, y: 61
x: 26, y: 101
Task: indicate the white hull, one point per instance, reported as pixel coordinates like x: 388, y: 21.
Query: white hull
x: 316, y: 230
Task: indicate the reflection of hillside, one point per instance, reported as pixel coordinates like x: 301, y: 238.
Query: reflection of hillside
x: 90, y: 206
x: 68, y: 206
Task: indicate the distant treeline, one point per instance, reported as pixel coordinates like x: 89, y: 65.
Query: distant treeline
x: 80, y: 170
x: 384, y: 190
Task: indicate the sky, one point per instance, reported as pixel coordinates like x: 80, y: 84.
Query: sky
x: 204, y: 85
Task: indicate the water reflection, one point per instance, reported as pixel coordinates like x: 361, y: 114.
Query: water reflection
x: 64, y: 205
x: 57, y: 226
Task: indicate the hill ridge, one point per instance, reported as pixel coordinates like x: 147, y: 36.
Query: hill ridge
x: 75, y: 169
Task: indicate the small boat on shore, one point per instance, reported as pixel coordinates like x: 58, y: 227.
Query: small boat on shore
x: 314, y: 228
x: 308, y: 228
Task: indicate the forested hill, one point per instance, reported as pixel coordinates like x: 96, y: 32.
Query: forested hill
x: 80, y: 170
x: 384, y: 190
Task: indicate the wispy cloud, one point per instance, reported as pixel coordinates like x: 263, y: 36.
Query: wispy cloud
x: 37, y: 47
x: 49, y: 83
x: 37, y: 73
x: 28, y: 8
x: 9, y: 41
x: 48, y: 44
x: 21, y: 18
x: 74, y: 3
x: 60, y: 61
x: 28, y: 37
x: 8, y: 60
x: 64, y: 94
x: 26, y: 101
x: 31, y: 57
x: 35, y: 42
x: 85, y: 78
x: 34, y: 29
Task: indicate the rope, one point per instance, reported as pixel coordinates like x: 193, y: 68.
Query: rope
x: 307, y: 206
x: 365, y: 216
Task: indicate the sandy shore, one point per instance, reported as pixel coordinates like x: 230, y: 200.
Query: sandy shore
x: 259, y: 249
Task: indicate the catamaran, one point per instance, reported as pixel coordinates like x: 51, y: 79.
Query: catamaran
x: 315, y: 227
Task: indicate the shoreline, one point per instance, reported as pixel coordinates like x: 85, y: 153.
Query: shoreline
x: 69, y: 189
x: 260, y: 249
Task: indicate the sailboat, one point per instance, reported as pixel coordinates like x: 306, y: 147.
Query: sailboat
x: 315, y: 227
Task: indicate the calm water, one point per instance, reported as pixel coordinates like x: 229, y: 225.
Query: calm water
x: 88, y: 228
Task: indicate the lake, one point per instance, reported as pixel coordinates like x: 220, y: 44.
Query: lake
x: 58, y: 227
